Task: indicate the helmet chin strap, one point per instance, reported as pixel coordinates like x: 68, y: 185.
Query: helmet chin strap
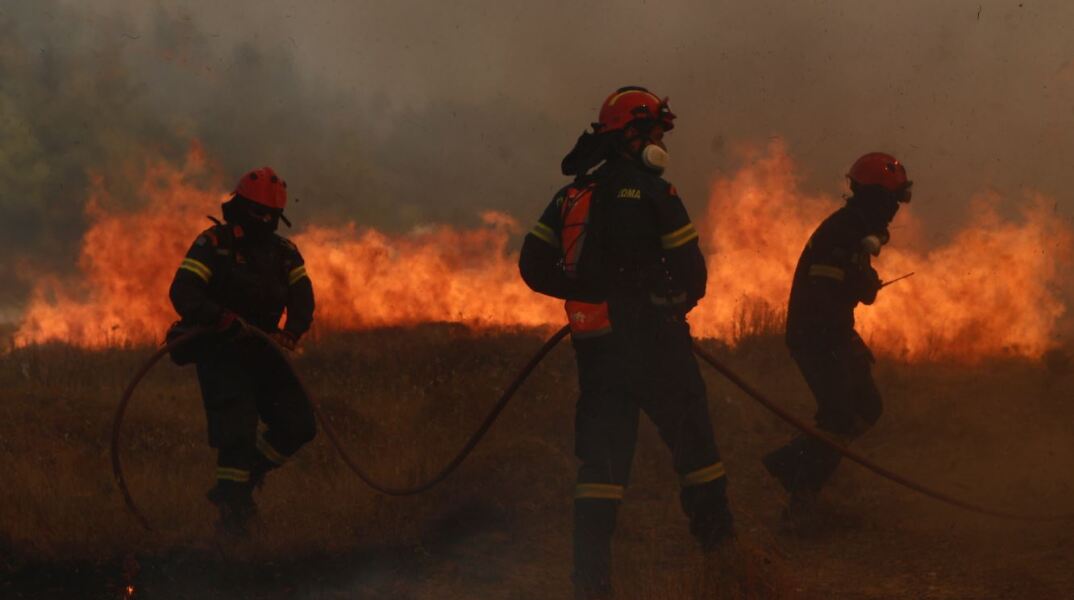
x: 655, y: 157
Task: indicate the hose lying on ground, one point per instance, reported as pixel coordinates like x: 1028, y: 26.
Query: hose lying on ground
x: 471, y: 443
x: 858, y: 458
x: 501, y: 403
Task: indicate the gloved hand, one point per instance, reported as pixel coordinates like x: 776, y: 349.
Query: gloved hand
x: 230, y: 324
x: 284, y: 339
x: 871, y: 284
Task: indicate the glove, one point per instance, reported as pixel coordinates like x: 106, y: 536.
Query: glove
x: 870, y: 286
x: 284, y: 339
x: 230, y: 323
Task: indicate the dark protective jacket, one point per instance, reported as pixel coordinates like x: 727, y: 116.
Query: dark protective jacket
x: 257, y: 280
x: 638, y: 244
x: 834, y: 274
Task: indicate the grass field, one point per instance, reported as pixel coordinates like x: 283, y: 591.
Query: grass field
x: 405, y: 399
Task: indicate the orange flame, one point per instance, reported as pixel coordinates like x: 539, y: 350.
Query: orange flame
x: 990, y: 290
x: 367, y: 279
x: 363, y: 278
x: 126, y: 264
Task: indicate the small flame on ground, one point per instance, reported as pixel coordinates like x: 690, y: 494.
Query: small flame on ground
x: 991, y: 290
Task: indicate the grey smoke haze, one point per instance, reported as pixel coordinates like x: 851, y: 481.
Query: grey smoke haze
x: 403, y: 113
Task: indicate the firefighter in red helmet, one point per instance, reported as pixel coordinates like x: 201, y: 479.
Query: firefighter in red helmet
x: 619, y: 247
x: 240, y: 274
x: 835, y: 274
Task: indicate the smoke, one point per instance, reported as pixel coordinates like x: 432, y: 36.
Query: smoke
x: 405, y: 113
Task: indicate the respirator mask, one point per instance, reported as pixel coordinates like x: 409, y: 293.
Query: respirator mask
x: 655, y: 158
x: 257, y: 222
x: 873, y: 243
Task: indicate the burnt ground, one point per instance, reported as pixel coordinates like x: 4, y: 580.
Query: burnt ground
x: 996, y: 433
x: 219, y: 570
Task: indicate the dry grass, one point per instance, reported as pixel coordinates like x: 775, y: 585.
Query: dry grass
x: 404, y: 400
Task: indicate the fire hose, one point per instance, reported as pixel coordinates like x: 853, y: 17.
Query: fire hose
x: 498, y: 408
x: 858, y: 458
x: 471, y: 443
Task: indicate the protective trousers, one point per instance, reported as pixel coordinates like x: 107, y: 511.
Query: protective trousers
x: 651, y: 368
x: 848, y: 404
x: 243, y: 382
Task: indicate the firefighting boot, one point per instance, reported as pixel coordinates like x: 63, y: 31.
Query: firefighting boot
x: 234, y: 500
x: 816, y: 467
x: 594, y: 524
x: 785, y: 462
x: 710, y: 517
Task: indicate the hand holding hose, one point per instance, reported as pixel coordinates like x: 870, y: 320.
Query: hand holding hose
x: 230, y: 324
x: 284, y: 339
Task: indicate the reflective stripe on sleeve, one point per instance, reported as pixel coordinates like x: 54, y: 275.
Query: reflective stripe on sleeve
x: 270, y: 453
x: 230, y: 474
x: 678, y: 237
x: 827, y: 271
x: 297, y: 274
x: 667, y: 300
x: 198, y: 268
x: 705, y: 475
x: 544, y: 233
x: 598, y: 491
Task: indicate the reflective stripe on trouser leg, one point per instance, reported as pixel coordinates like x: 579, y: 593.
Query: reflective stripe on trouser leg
x: 232, y: 474
x: 270, y: 453
x: 703, y: 475
x: 598, y: 491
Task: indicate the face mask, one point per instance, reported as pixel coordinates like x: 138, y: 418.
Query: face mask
x: 655, y: 158
x: 256, y: 224
x: 877, y: 209
x: 260, y: 225
x: 888, y: 209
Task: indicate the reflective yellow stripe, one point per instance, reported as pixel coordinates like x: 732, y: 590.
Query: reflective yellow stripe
x: 198, y: 268
x: 544, y: 232
x: 269, y: 452
x: 667, y: 300
x: 599, y: 491
x: 230, y: 474
x: 296, y: 274
x: 678, y: 237
x: 705, y: 475
x: 827, y: 271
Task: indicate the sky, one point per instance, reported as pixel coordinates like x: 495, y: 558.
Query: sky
x: 400, y: 114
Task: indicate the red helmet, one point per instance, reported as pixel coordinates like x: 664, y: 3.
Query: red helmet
x: 264, y: 187
x: 884, y: 170
x: 632, y: 103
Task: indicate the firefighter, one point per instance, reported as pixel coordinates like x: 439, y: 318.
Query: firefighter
x: 619, y: 247
x: 240, y: 274
x: 835, y: 274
